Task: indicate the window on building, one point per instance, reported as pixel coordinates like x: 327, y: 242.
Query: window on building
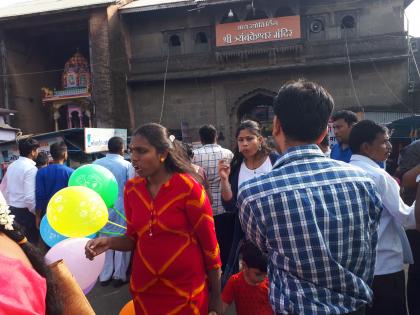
x: 316, y: 26
x: 201, y: 41
x: 348, y: 22
x: 201, y: 38
x: 284, y: 11
x: 174, y: 41
x: 348, y: 26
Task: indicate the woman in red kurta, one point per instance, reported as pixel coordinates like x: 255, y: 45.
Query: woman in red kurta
x: 171, y: 228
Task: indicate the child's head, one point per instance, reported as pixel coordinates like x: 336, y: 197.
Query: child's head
x: 254, y: 263
x: 370, y: 139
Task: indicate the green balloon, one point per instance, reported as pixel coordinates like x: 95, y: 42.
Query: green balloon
x: 99, y: 179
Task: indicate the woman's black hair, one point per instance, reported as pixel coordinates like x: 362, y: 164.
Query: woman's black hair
x: 188, y: 150
x: 176, y: 161
x: 255, y: 129
x: 52, y: 301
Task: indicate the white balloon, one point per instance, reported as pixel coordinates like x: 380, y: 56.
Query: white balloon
x: 72, y: 251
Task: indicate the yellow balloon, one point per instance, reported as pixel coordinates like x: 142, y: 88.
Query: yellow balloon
x: 128, y: 309
x: 77, y: 211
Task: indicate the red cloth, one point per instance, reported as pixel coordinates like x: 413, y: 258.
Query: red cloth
x: 22, y: 289
x: 249, y: 299
x: 170, y: 266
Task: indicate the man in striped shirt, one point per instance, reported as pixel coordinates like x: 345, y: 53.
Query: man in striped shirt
x: 315, y: 217
x: 208, y: 157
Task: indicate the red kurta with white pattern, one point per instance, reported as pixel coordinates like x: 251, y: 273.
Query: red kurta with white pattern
x: 175, y: 246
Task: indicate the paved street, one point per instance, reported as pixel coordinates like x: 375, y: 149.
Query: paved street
x: 108, y: 300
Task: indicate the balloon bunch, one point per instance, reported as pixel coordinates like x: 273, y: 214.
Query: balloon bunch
x: 75, y: 214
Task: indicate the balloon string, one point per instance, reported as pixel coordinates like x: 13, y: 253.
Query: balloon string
x: 123, y: 227
x: 110, y: 233
x: 119, y: 213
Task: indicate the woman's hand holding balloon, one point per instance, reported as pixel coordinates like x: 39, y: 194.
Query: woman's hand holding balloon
x: 96, y: 247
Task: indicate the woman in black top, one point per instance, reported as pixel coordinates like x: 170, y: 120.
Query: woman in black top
x: 252, y: 158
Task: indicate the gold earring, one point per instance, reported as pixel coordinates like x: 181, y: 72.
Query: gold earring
x: 162, y: 159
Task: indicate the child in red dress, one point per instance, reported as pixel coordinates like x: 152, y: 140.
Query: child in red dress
x: 249, y: 288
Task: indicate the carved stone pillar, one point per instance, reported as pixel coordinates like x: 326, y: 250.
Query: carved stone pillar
x: 56, y: 116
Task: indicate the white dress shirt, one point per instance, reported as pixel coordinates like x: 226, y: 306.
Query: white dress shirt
x: 392, y: 241
x: 18, y: 185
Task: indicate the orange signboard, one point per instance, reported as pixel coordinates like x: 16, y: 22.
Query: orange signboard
x: 258, y: 31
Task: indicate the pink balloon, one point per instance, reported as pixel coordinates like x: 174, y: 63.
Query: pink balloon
x: 89, y: 288
x: 72, y: 251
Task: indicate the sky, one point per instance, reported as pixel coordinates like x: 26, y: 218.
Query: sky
x: 412, y: 15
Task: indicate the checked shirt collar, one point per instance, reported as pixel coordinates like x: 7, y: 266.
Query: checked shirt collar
x: 298, y: 153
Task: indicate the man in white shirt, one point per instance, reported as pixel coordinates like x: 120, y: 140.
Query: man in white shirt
x: 18, y: 187
x: 370, y: 145
x: 208, y: 157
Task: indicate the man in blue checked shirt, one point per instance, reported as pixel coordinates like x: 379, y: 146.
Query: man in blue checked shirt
x: 315, y: 217
x: 116, y: 262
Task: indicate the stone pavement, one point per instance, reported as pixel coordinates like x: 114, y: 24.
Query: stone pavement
x: 109, y: 300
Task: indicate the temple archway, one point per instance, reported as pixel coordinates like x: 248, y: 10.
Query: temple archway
x: 256, y: 105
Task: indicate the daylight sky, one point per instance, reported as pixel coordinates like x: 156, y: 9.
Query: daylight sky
x: 412, y: 13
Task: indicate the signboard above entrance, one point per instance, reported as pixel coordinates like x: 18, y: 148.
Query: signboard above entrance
x: 258, y: 31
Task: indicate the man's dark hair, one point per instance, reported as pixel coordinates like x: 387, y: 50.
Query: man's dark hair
x: 115, y: 145
x: 207, y: 134
x: 27, y: 145
x: 303, y: 109
x: 348, y: 116
x: 253, y: 257
x: 41, y: 159
x: 58, y: 151
x: 365, y: 131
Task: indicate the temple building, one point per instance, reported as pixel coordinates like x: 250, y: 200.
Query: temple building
x: 219, y: 62
x: 62, y: 64
x: 72, y: 107
x: 184, y: 63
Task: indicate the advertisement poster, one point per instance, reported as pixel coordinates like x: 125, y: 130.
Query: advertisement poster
x: 96, y: 139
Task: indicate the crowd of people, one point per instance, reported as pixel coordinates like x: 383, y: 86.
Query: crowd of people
x: 293, y: 229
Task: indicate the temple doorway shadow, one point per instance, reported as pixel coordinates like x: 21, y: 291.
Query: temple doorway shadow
x: 256, y: 105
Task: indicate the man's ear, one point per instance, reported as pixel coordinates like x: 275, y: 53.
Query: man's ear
x: 322, y: 136
x: 276, y: 126
x: 365, y: 148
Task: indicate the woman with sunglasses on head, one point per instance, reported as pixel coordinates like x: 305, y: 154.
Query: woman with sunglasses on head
x: 252, y: 158
x: 171, y: 229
